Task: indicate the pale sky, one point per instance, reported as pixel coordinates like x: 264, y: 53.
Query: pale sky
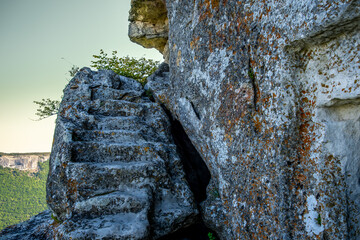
x: 34, y: 37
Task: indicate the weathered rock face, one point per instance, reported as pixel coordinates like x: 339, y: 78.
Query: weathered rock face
x: 36, y: 228
x: 25, y: 162
x: 114, y: 170
x: 149, y: 25
x: 268, y: 92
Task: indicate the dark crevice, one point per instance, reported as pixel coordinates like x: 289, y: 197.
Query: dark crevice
x: 253, y: 82
x: 196, y: 171
x: 197, y: 175
x: 195, y: 110
x: 197, y: 231
x: 92, y: 95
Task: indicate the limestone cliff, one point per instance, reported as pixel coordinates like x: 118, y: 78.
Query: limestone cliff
x: 23, y: 161
x: 268, y: 92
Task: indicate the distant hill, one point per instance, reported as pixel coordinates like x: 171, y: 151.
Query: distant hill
x: 22, y: 193
x: 21, y: 154
x: 23, y: 161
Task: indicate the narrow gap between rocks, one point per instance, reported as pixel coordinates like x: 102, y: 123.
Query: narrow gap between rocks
x: 198, y: 176
x: 196, y: 171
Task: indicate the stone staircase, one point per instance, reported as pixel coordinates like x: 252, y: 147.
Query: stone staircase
x: 114, y: 170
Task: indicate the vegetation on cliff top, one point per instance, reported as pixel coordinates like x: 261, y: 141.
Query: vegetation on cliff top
x: 22, y: 194
x: 137, y: 69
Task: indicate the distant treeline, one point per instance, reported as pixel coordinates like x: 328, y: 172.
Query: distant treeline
x: 22, y: 194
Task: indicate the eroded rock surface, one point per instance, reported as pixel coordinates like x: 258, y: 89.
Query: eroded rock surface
x: 268, y: 92
x: 36, y: 228
x: 149, y: 25
x: 114, y: 170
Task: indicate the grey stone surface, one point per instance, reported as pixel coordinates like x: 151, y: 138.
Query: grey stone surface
x: 114, y: 169
x: 36, y: 228
x: 268, y: 92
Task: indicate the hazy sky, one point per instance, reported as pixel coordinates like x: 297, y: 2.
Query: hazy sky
x: 34, y: 37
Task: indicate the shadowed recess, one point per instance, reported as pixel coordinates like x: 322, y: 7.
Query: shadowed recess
x: 196, y: 171
x: 198, y: 176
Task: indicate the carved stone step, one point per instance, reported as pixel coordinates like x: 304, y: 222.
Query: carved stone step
x: 126, y: 152
x: 116, y: 123
x: 108, y: 93
x: 123, y: 108
x: 112, y: 136
x: 109, y: 135
x: 114, y: 164
x: 123, y: 226
x: 127, y: 123
x: 91, y: 179
x: 126, y: 200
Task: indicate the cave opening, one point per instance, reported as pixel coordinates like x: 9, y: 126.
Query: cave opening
x: 197, y: 175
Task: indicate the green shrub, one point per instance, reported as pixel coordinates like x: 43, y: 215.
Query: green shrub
x: 138, y: 69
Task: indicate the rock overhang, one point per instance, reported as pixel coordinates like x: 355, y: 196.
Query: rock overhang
x: 149, y: 24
